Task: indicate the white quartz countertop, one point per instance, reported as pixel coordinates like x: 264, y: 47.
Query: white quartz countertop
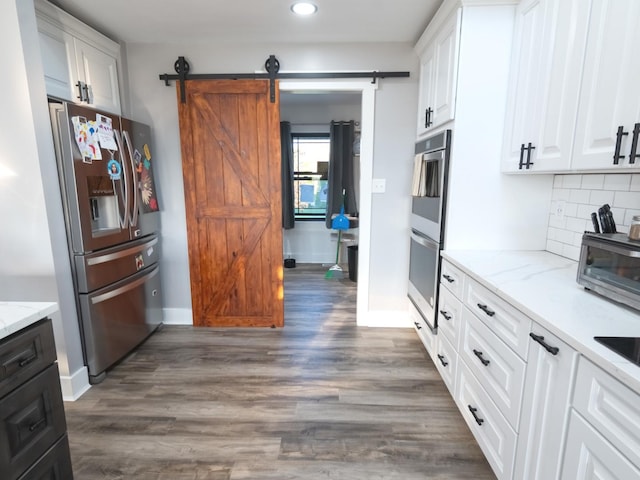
x: 15, y: 316
x: 543, y: 286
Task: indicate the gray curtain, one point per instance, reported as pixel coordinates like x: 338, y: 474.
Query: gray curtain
x: 341, y: 173
x: 286, y: 147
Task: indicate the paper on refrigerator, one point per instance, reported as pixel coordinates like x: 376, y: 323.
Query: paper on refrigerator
x: 86, y: 135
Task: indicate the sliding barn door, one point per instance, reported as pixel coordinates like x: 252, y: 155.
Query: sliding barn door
x: 230, y: 136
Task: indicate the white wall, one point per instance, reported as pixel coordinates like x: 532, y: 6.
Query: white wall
x: 395, y: 107
x: 34, y: 264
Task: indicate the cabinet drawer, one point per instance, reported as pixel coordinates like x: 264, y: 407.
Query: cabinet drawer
x: 453, y: 278
x: 24, y: 354
x: 612, y: 408
x: 588, y: 455
x: 31, y: 420
x: 446, y: 360
x: 497, y: 367
x: 449, y: 311
x: 494, y: 435
x: 54, y: 465
x: 511, y: 325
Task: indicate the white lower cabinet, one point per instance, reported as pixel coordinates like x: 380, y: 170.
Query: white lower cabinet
x: 496, y: 438
x: 590, y: 456
x: 551, y: 367
x: 537, y: 408
x: 446, y: 360
x: 497, y: 367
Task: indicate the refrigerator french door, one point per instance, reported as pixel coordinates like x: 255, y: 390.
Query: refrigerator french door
x: 112, y: 221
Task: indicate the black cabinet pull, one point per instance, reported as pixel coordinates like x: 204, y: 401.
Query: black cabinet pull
x: 473, y: 411
x: 427, y: 117
x: 547, y: 347
x: 448, y: 278
x: 38, y: 424
x: 418, y: 326
x: 616, y: 155
x: 486, y: 309
x: 26, y: 361
x: 478, y: 354
x: 528, y: 163
x: 445, y: 314
x: 634, y: 144
x: 529, y: 149
x: 441, y: 358
x: 80, y: 86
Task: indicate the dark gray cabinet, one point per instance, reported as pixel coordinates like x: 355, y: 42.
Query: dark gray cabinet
x: 33, y: 441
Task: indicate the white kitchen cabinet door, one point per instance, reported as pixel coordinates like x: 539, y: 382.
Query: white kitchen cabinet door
x: 99, y: 71
x: 438, y: 76
x: 425, y: 94
x: 610, y: 92
x: 57, y: 49
x: 545, y: 406
x: 549, y: 44
x: 590, y: 456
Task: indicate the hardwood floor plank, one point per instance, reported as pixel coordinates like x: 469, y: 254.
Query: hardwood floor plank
x: 317, y: 399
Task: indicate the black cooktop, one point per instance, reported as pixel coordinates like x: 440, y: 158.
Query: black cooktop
x: 628, y: 347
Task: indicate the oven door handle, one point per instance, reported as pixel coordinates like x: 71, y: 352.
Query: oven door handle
x: 424, y: 241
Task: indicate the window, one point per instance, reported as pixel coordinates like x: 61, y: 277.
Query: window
x: 311, y: 169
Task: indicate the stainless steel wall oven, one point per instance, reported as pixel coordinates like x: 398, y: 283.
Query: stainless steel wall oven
x: 429, y: 199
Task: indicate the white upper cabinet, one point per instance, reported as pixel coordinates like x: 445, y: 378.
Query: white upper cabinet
x: 438, y: 51
x: 573, y: 83
x: 80, y: 65
x: 610, y: 93
x: 549, y: 43
x: 99, y: 72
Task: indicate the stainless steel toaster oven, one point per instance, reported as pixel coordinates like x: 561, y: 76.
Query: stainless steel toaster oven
x: 610, y: 265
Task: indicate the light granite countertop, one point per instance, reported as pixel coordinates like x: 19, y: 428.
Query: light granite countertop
x: 15, y: 316
x: 543, y: 286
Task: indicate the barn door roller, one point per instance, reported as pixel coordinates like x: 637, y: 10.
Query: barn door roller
x: 272, y: 67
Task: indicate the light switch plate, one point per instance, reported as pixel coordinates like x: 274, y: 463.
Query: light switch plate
x: 379, y: 185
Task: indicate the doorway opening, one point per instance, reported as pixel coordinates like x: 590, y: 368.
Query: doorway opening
x: 310, y: 107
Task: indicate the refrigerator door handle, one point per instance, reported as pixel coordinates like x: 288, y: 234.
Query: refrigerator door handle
x: 127, y: 140
x: 125, y: 218
x: 125, y: 288
x: 121, y: 254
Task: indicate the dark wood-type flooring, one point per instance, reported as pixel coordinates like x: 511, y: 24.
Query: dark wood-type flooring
x: 317, y: 399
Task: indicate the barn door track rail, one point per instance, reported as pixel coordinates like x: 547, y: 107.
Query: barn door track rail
x: 272, y: 67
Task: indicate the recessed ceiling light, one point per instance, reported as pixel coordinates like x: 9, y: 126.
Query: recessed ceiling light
x: 304, y: 8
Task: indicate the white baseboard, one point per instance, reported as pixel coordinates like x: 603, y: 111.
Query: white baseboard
x: 177, y: 316
x: 385, y: 319
x: 76, y: 385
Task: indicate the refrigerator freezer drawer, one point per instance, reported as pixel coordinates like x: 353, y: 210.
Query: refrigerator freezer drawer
x: 99, y: 269
x: 117, y: 318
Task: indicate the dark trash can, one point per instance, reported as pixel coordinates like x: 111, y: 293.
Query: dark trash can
x: 352, y: 258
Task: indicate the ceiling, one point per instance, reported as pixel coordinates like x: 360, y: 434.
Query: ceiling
x: 250, y: 21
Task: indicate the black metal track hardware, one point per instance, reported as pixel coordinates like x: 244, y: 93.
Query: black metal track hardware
x: 272, y: 67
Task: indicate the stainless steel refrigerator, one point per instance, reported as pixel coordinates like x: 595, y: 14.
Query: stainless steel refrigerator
x: 112, y: 218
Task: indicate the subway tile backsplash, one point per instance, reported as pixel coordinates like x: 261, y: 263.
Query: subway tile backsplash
x: 576, y: 196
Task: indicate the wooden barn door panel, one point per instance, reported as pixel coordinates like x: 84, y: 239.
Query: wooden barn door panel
x: 230, y: 136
